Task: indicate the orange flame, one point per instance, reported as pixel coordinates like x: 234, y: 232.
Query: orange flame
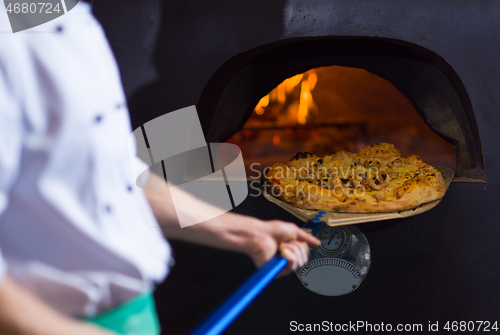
x: 264, y: 102
x: 306, y: 97
x: 279, y: 95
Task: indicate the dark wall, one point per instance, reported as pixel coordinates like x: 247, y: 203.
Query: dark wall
x: 132, y: 29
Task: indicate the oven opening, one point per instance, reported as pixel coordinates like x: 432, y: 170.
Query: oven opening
x: 333, y: 108
x: 327, y: 94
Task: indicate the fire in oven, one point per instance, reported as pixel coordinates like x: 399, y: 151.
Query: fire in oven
x: 334, y: 108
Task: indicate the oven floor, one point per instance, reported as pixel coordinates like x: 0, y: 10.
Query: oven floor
x: 439, y: 266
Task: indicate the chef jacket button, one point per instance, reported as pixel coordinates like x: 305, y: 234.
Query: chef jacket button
x: 129, y: 188
x: 98, y: 118
x: 59, y: 29
x: 107, y: 208
x: 119, y: 106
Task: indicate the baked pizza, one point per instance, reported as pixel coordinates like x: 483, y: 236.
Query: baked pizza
x: 376, y: 179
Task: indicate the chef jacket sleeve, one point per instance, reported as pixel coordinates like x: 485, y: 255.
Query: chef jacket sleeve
x: 11, y: 130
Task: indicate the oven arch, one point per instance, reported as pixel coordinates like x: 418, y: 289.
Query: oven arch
x: 426, y: 79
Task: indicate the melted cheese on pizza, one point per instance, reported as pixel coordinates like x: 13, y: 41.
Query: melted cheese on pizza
x: 377, y: 173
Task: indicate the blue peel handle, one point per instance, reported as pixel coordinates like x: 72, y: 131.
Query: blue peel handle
x: 229, y: 310
x: 222, y: 317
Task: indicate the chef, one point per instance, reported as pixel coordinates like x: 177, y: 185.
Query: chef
x: 81, y: 247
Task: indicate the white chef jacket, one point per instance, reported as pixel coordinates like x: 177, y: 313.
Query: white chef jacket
x: 74, y: 228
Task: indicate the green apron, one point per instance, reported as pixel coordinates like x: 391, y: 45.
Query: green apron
x: 137, y: 317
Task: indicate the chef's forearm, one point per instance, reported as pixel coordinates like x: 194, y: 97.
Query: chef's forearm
x: 228, y: 231
x: 163, y: 207
x: 21, y: 313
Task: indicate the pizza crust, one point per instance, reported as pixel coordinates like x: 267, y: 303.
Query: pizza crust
x: 376, y: 180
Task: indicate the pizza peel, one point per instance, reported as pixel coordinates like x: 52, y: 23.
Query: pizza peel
x: 217, y: 322
x: 340, y: 219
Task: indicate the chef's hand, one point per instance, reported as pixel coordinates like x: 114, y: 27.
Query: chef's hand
x: 292, y: 242
x: 260, y: 240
